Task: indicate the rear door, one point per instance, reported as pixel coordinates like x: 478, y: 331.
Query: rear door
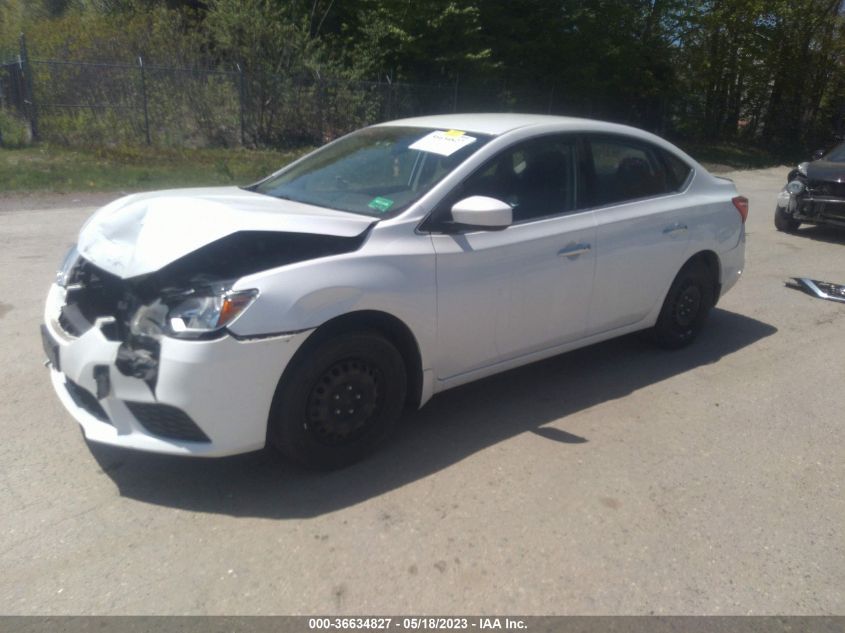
x: 643, y: 227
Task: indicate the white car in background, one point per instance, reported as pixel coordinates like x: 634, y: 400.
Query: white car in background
x: 399, y: 261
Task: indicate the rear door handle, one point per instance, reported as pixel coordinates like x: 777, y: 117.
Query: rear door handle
x: 573, y: 250
x: 672, y: 229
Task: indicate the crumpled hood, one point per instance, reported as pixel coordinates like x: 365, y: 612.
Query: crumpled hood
x: 141, y: 233
x: 826, y: 171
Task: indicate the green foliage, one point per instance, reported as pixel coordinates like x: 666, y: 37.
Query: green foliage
x: 161, y: 35
x: 84, y: 126
x: 265, y: 36
x: 416, y: 41
x: 760, y: 71
x: 14, y: 131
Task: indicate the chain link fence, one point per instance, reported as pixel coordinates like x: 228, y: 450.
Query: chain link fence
x: 83, y: 103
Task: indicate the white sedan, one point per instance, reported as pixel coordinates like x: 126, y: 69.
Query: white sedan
x: 401, y: 260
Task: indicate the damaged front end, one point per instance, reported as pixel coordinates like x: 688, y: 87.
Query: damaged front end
x: 813, y: 196
x: 190, y: 298
x: 147, y: 361
x: 138, y: 312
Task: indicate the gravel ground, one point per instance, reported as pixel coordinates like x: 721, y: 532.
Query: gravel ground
x: 616, y: 479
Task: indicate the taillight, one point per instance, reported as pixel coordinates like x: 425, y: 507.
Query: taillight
x: 741, y: 204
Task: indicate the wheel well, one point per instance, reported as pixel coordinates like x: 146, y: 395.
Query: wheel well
x: 388, y: 326
x: 711, y: 262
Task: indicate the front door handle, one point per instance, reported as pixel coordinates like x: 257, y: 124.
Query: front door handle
x: 673, y: 229
x: 573, y: 250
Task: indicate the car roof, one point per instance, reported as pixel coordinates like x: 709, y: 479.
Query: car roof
x: 495, y: 124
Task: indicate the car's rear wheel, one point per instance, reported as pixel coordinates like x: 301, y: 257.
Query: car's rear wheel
x: 338, y: 401
x: 685, y: 309
x: 785, y: 222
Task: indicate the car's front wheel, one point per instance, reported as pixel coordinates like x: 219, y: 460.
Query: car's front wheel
x: 785, y: 222
x: 685, y: 309
x: 338, y: 400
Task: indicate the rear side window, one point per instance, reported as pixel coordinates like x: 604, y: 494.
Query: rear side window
x: 626, y: 169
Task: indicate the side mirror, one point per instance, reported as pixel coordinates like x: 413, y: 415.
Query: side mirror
x: 482, y: 212
x: 818, y: 154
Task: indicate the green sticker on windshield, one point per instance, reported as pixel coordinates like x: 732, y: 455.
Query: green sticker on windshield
x: 380, y: 204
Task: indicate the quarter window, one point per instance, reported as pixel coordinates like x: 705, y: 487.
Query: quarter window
x: 678, y: 170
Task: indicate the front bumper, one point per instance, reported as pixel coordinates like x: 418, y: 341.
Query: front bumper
x: 812, y: 208
x: 222, y: 387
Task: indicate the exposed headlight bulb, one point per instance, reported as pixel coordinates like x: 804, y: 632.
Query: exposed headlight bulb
x: 795, y: 187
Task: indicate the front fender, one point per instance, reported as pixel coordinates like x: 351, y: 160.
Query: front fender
x: 390, y: 275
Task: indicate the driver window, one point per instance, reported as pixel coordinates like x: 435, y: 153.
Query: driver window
x: 536, y: 177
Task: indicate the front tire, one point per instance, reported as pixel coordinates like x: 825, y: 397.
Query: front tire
x: 338, y: 401
x: 685, y: 309
x: 785, y: 222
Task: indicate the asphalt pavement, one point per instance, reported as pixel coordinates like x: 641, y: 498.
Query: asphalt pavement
x: 616, y: 479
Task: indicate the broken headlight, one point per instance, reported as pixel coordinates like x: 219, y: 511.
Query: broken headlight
x: 201, y: 313
x: 795, y: 187
x: 66, y: 266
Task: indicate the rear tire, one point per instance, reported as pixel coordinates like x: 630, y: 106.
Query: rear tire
x: 685, y: 309
x: 785, y: 222
x: 338, y: 401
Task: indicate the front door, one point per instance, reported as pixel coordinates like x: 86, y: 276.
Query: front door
x: 504, y: 294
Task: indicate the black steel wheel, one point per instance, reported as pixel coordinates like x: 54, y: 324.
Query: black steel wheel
x: 685, y: 309
x: 785, y: 222
x: 344, y: 402
x: 338, y: 400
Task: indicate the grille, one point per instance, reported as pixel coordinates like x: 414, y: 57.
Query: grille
x: 84, y: 399
x: 166, y: 421
x: 92, y: 293
x: 833, y: 189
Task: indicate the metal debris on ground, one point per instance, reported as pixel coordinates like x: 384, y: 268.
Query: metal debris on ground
x: 820, y: 289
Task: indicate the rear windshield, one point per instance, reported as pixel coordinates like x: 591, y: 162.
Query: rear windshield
x: 377, y: 171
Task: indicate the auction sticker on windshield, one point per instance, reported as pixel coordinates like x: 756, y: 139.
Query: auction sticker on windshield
x: 443, y: 142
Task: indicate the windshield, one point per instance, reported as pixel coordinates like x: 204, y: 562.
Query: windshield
x: 837, y: 154
x: 377, y: 171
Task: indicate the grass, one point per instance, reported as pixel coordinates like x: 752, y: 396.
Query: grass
x: 49, y: 168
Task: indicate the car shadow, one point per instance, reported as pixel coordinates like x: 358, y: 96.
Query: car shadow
x: 822, y: 233
x: 450, y: 428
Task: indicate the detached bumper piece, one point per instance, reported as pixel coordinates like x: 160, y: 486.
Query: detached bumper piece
x: 819, y: 289
x: 166, y: 421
